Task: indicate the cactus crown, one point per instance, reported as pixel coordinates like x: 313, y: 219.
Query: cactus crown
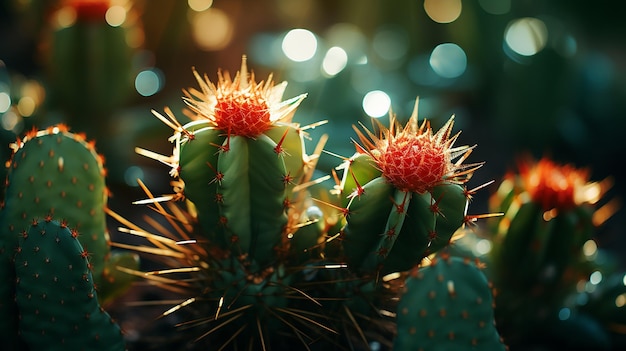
x: 241, y: 106
x: 558, y: 186
x: 414, y: 159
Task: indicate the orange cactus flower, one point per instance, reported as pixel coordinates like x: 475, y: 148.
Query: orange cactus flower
x: 412, y: 158
x: 241, y: 106
x: 557, y: 186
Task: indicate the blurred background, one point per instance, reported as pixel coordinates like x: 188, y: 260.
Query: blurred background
x: 522, y: 77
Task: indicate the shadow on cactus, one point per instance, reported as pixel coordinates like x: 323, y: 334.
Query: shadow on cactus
x: 265, y: 255
x: 55, y: 174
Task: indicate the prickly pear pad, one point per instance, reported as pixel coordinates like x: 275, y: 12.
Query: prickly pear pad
x: 55, y: 293
x: 447, y: 306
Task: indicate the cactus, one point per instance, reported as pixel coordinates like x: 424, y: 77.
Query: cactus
x: 549, y: 214
x: 89, y: 64
x: 261, y: 249
x: 404, y: 197
x: 239, y: 161
x: 447, y: 305
x: 55, y: 294
x: 54, y: 173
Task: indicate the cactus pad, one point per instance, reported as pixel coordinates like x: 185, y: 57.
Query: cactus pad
x: 447, y: 306
x: 55, y: 293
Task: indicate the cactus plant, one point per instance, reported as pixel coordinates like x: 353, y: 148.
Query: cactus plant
x: 239, y: 161
x: 89, y: 64
x: 56, y: 297
x: 447, y: 305
x: 260, y: 249
x: 404, y: 195
x: 54, y: 173
x: 549, y: 214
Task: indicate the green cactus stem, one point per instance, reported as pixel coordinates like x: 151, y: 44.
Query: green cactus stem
x: 447, y: 305
x: 55, y: 294
x: 239, y: 161
x: 90, y: 66
x: 537, y: 257
x: 404, y: 198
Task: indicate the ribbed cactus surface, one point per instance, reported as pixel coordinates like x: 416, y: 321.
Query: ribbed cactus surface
x: 548, y: 216
x: 447, y: 305
x: 239, y: 160
x: 404, y: 196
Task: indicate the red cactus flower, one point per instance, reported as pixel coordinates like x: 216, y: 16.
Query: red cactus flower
x: 412, y: 158
x: 241, y: 106
x: 557, y: 186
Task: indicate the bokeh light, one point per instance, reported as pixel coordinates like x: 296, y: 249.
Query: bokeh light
x: 26, y: 106
x: 5, y: 102
x: 131, y: 175
x: 590, y: 248
x: 526, y: 36
x: 10, y: 120
x: 620, y: 300
x: 115, y: 15
x: 376, y: 103
x: 299, y: 45
x: 483, y: 247
x: 448, y: 60
x: 595, y: 278
x: 212, y: 29
x: 334, y: 61
x: 199, y: 5
x: 149, y: 82
x: 565, y: 313
x: 65, y: 17
x: 495, y: 7
x: 443, y: 11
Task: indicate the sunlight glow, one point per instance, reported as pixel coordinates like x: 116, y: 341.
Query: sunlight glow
x: 376, y: 103
x: 335, y: 61
x: 448, y: 60
x: 526, y: 36
x: 115, y: 16
x: 443, y: 11
x: 299, y: 45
